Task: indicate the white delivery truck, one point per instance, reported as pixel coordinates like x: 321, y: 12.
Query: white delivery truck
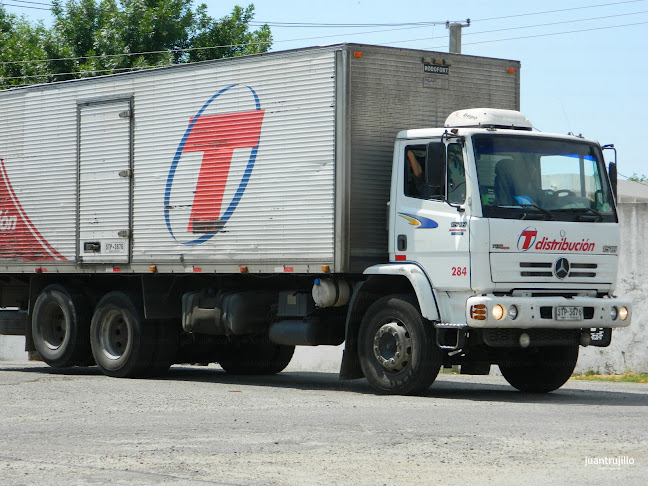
x: 230, y: 210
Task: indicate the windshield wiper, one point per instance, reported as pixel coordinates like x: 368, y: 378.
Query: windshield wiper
x: 537, y: 208
x: 581, y: 211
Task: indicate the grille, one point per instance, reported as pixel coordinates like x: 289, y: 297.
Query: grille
x: 545, y: 269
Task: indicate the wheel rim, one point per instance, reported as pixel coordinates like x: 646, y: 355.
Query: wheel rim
x: 53, y: 326
x: 114, y: 335
x: 392, y: 346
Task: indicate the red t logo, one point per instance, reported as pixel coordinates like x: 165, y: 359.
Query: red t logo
x: 529, y: 237
x: 217, y: 136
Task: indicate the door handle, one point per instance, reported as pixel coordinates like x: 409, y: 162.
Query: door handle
x: 401, y: 243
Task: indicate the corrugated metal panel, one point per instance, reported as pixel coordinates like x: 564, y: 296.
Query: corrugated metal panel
x: 279, y: 192
x: 104, y: 182
x: 276, y: 196
x: 391, y: 92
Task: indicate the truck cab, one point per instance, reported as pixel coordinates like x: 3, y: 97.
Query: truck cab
x: 516, y: 233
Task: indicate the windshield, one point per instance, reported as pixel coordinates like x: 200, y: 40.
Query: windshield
x: 541, y: 178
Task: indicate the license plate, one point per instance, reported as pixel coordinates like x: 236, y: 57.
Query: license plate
x: 114, y: 248
x: 569, y: 313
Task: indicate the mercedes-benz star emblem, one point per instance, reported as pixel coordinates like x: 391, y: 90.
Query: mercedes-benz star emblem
x: 561, y: 268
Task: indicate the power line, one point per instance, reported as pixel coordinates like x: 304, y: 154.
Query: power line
x: 559, y: 10
x: 29, y: 1
x: 517, y: 38
x: 410, y: 26
x: 635, y: 174
x: 316, y: 24
x: 557, y: 33
x: 24, y: 6
x: 108, y: 56
x: 531, y: 26
x: 92, y: 71
x: 557, y: 23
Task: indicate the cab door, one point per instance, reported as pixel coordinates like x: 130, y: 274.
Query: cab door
x: 430, y: 219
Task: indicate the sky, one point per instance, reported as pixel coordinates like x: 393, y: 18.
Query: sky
x: 584, y: 63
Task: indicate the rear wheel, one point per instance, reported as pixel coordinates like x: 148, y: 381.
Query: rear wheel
x: 398, y: 351
x: 257, y: 359
x: 60, y: 327
x: 123, y: 343
x: 540, y: 370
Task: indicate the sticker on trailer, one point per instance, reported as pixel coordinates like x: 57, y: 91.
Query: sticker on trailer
x: 19, y: 238
x: 210, y: 153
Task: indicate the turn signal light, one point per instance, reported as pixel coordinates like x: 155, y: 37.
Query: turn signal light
x: 478, y: 312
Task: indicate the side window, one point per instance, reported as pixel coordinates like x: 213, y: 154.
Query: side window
x: 456, y: 174
x: 424, y: 171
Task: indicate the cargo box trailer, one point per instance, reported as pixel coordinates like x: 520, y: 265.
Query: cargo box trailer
x: 229, y: 210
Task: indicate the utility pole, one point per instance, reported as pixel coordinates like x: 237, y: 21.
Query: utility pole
x: 455, y: 35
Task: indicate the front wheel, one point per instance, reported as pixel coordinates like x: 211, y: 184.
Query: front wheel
x: 398, y: 351
x: 539, y: 370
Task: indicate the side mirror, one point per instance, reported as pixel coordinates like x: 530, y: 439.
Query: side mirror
x: 612, y: 170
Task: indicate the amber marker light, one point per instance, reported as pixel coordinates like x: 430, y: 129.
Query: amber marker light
x: 326, y: 269
x: 357, y: 54
x: 153, y: 268
x: 478, y: 312
x: 511, y: 70
x: 243, y: 269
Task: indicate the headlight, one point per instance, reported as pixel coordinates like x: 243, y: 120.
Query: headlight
x: 513, y: 312
x: 614, y: 313
x: 623, y: 313
x: 498, y: 312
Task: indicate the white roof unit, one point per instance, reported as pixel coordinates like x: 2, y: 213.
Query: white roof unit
x: 488, y: 117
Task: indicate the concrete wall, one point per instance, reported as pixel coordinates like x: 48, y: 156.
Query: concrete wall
x: 629, y: 348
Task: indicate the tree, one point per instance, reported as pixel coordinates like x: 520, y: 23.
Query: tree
x: 20, y: 41
x: 638, y: 178
x: 95, y: 37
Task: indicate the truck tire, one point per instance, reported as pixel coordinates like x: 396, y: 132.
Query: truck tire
x: 13, y: 323
x: 61, y: 327
x: 257, y: 359
x: 397, y: 350
x: 123, y: 343
x: 539, y: 370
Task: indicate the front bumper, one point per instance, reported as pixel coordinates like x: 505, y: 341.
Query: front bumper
x: 540, y: 312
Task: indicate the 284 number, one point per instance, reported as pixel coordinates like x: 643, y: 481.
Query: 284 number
x: 459, y: 271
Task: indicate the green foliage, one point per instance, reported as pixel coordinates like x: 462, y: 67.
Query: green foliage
x: 88, y: 36
x: 638, y: 178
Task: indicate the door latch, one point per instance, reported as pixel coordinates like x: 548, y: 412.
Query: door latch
x: 401, y: 243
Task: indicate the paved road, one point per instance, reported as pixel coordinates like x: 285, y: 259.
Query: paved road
x: 200, y: 426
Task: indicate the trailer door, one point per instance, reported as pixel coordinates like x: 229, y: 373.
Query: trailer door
x: 105, y: 174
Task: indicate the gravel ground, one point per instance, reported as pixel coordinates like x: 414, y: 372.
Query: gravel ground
x: 200, y: 426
